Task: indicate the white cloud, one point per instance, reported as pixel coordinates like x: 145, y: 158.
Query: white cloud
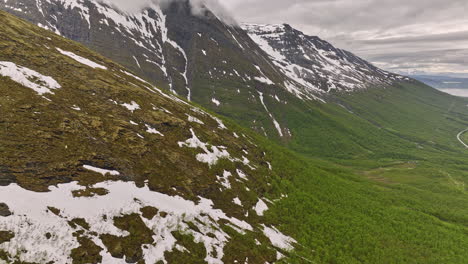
x: 128, y: 6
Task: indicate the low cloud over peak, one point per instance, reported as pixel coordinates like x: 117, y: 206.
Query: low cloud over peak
x: 199, y: 7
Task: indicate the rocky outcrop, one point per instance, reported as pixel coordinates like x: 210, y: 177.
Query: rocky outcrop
x: 4, y: 210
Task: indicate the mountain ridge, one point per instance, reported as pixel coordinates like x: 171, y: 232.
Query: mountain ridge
x: 216, y: 65
x: 156, y: 22
x: 314, y: 62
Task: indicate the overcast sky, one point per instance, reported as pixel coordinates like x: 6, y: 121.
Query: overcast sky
x: 399, y: 35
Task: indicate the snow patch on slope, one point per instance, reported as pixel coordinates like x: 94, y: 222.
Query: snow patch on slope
x: 260, y: 207
x: 210, y: 157
x: 194, y: 120
x: 131, y: 106
x: 215, y: 101
x: 82, y: 60
x: 277, y: 125
x: 278, y: 239
x: 123, y: 198
x: 101, y: 171
x: 29, y: 78
x: 152, y: 130
x: 224, y: 180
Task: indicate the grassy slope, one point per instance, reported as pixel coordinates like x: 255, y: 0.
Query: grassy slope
x: 392, y: 188
x: 371, y: 210
x: 396, y: 121
x: 340, y: 217
x: 405, y: 163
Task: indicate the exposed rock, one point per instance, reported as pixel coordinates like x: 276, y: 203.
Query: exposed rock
x: 5, y: 236
x: 4, y: 210
x: 5, y: 176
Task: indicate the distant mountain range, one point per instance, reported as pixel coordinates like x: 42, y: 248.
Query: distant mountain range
x: 453, y: 85
x: 443, y: 82
x: 442, y: 74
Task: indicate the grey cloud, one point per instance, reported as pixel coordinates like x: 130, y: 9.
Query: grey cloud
x: 348, y: 14
x: 443, y: 37
x: 431, y: 34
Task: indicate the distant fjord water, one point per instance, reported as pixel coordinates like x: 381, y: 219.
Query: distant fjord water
x: 451, y: 85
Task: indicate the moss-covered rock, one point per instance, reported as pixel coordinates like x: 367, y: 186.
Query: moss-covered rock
x: 187, y: 251
x: 6, y: 236
x: 149, y: 212
x: 4, y: 210
x: 87, y: 252
x: 129, y: 247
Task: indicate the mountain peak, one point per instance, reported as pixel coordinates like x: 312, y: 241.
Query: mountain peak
x: 265, y: 28
x: 314, y: 63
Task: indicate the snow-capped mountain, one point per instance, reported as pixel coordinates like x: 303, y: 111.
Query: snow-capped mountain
x: 175, y: 48
x: 168, y: 47
x: 243, y: 73
x: 315, y: 63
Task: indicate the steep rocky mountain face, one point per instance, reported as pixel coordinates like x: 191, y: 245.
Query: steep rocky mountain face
x: 100, y: 166
x: 177, y: 49
x: 138, y: 42
x: 315, y: 63
x: 168, y: 47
